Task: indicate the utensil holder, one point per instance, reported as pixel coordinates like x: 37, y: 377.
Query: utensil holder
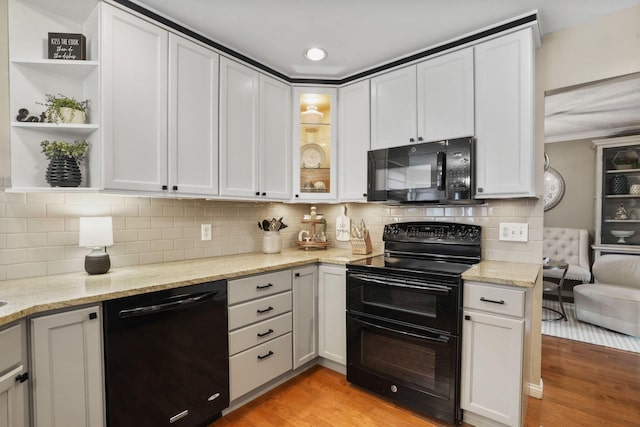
x: 361, y: 246
x: 271, y: 243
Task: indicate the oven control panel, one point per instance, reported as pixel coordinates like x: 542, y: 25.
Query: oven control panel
x: 441, y: 232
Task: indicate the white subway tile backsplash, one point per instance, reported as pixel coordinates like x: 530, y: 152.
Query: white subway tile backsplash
x: 22, y: 210
x: 13, y: 256
x: 21, y: 271
x: 26, y: 240
x: 50, y: 253
x: 40, y: 230
x: 36, y: 225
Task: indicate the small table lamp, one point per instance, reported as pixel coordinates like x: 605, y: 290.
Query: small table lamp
x: 96, y: 233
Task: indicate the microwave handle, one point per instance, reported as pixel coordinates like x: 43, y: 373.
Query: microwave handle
x: 441, y: 171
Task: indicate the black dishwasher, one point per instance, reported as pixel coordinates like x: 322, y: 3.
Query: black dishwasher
x: 167, y: 356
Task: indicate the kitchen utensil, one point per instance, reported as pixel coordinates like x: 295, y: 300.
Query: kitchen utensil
x: 265, y: 225
x: 260, y: 225
x: 343, y: 225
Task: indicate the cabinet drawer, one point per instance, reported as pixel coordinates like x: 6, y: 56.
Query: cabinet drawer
x: 11, y: 345
x: 242, y: 339
x: 253, y: 287
x: 494, y: 300
x: 255, y: 311
x: 258, y: 365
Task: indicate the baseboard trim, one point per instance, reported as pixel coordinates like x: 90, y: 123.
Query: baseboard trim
x: 536, y: 390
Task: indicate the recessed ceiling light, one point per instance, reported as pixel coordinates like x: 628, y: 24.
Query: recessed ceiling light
x: 315, y: 54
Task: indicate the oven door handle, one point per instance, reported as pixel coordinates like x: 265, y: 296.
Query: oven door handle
x: 158, y: 308
x: 439, y: 338
x: 436, y: 289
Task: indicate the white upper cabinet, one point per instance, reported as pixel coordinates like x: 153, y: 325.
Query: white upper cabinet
x: 193, y: 117
x: 445, y: 96
x: 315, y: 113
x: 275, y: 139
x: 160, y: 94
x: 393, y: 109
x: 254, y: 128
x: 505, y: 143
x: 354, y: 139
x: 238, y: 129
x: 32, y: 76
x: 134, y: 95
x: 430, y: 101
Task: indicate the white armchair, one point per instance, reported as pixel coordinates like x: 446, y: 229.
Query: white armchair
x: 570, y: 245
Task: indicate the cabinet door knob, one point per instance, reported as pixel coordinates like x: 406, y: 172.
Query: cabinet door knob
x: 467, y: 317
x: 257, y: 193
x: 264, y: 194
x: 480, y: 189
x: 297, y: 195
x: 93, y: 315
x: 175, y: 188
x: 164, y: 187
x: 420, y: 138
x: 412, y: 140
x: 296, y: 275
x: 364, y: 194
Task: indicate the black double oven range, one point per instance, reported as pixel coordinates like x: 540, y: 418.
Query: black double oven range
x: 404, y: 311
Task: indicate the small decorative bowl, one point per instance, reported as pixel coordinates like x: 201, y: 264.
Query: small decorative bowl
x: 622, y: 234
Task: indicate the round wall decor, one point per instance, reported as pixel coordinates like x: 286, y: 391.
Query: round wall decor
x: 553, y: 188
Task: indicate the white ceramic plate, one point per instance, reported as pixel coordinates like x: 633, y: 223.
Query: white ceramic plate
x: 312, y: 156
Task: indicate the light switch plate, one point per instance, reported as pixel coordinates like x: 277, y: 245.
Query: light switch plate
x: 514, y: 231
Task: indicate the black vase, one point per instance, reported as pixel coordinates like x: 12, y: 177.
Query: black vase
x: 63, y: 171
x: 618, y: 185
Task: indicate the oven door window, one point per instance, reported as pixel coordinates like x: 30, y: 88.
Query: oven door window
x: 428, y: 305
x: 410, y: 357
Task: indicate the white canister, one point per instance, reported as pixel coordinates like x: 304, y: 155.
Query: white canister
x: 271, y: 242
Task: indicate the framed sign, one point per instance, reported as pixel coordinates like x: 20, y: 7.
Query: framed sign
x: 67, y: 46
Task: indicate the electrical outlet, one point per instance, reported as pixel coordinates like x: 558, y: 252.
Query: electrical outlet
x: 514, y: 231
x: 205, y: 232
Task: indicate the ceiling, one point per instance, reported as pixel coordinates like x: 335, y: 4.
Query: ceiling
x: 358, y: 34
x: 595, y: 110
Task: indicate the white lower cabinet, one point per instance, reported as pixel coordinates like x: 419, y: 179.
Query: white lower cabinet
x: 66, y: 352
x: 305, y: 308
x: 13, y: 376
x: 332, y: 335
x: 492, y: 353
x: 260, y: 325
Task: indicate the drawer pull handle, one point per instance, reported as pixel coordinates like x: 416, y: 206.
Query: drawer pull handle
x: 268, y: 285
x: 265, y: 356
x: 483, y: 299
x: 265, y: 310
x: 264, y: 334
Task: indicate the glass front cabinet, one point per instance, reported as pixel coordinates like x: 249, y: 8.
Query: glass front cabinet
x: 314, y: 143
x: 617, y: 195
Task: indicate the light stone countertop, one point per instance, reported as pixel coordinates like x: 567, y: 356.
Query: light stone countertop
x: 504, y: 273
x: 30, y: 296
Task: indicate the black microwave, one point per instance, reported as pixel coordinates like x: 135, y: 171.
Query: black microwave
x: 429, y: 172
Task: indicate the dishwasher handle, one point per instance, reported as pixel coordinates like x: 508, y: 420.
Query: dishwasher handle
x: 168, y: 306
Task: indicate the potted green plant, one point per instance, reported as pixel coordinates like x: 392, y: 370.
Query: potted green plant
x: 64, y: 162
x: 63, y: 109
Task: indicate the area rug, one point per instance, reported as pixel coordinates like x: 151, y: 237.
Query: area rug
x: 576, y: 330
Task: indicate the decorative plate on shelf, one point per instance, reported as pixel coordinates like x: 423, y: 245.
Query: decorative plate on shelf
x: 311, y: 156
x: 553, y: 188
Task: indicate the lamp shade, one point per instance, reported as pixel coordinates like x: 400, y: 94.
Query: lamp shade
x: 95, y: 231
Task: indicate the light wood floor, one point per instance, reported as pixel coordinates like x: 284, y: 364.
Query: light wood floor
x: 584, y: 385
